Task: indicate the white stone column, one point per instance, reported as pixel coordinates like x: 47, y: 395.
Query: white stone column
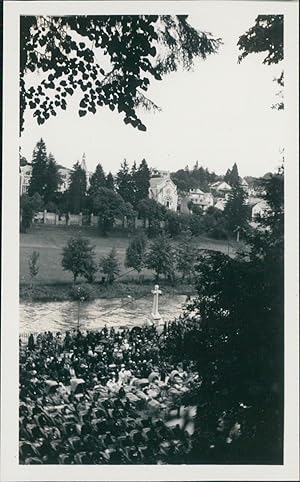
x: 155, y: 313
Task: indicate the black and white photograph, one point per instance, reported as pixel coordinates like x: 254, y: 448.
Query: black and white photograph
x: 151, y: 273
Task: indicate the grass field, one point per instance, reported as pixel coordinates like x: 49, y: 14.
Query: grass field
x: 50, y: 240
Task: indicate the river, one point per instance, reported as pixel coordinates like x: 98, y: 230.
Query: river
x: 117, y: 312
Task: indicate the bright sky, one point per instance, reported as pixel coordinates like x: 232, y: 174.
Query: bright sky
x: 218, y: 114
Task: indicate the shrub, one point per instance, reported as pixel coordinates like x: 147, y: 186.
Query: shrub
x: 80, y: 292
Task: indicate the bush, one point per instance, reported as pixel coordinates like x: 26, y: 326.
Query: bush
x: 80, y: 292
x: 196, y: 224
x: 176, y: 223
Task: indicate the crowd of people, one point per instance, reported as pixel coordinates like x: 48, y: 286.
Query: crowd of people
x: 103, y: 397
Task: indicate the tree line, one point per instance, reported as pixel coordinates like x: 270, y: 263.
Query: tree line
x: 126, y: 195
x: 103, y: 195
x: 161, y: 256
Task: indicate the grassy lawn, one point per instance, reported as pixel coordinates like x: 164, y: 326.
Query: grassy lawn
x: 50, y: 240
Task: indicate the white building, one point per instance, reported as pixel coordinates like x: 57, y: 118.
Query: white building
x: 65, y: 178
x: 259, y: 209
x: 163, y: 190
x: 202, y: 199
x: 244, y: 185
x: 220, y: 204
x: 25, y: 174
x: 85, y: 169
x: 221, y: 189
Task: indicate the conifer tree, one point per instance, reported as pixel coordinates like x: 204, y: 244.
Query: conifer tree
x: 123, y: 182
x: 232, y: 175
x: 39, y: 170
x: 97, y: 180
x: 236, y: 210
x: 77, y: 189
x: 134, y: 185
x: 110, y: 183
x: 142, y: 181
x: 53, y: 180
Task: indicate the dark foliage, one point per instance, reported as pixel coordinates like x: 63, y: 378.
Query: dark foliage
x: 235, y: 334
x: 76, y: 193
x: 78, y: 257
x: 266, y: 35
x: 133, y: 46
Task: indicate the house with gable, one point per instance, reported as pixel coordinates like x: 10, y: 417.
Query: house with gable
x: 163, y: 190
x: 260, y: 209
x: 220, y: 189
x: 202, y: 199
x: 220, y: 204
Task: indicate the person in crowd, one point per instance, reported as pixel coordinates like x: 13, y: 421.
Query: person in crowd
x: 101, y: 397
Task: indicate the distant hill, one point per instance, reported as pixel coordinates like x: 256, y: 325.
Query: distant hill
x: 268, y: 175
x: 251, y: 180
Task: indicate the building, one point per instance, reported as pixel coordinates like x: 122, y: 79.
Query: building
x: 220, y: 204
x: 259, y: 209
x: 220, y: 189
x: 244, y: 185
x: 163, y: 190
x: 65, y: 174
x: 25, y: 173
x: 88, y: 174
x: 202, y: 199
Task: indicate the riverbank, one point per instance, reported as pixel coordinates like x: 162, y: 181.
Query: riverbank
x: 65, y: 292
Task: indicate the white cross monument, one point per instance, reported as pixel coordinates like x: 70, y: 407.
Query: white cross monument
x: 155, y: 313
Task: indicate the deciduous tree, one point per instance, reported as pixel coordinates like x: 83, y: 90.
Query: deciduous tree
x: 266, y: 36
x: 68, y: 51
x: 136, y: 253
x: 110, y: 265
x: 29, y: 206
x: 150, y: 210
x: 161, y: 257
x: 186, y: 256
x: 108, y: 206
x: 78, y: 257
